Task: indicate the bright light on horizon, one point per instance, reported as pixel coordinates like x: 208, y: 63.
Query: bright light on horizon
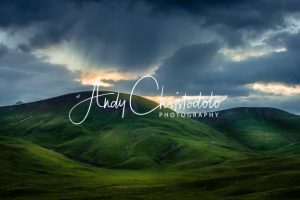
x: 277, y: 88
x: 241, y: 54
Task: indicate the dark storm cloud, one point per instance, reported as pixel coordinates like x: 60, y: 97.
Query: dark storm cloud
x: 128, y: 40
x: 276, y: 67
x: 196, y: 68
x: 182, y: 38
x: 3, y: 50
x: 20, y: 13
x: 187, y: 62
x: 293, y: 42
x: 236, y: 14
x: 111, y: 33
x: 191, y: 69
x: 256, y: 14
x: 201, y: 66
x: 25, y: 77
x: 232, y: 20
x: 137, y: 34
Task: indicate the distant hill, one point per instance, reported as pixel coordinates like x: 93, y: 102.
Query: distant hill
x: 19, y: 102
x: 258, y: 128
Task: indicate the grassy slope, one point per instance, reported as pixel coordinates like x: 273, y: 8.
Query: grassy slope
x: 259, y: 128
x: 177, y: 158
x: 105, y: 139
x: 31, y: 172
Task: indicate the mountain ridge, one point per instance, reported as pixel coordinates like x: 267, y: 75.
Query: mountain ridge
x: 106, y: 139
x: 84, y: 93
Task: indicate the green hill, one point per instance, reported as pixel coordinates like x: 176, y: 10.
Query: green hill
x: 247, y: 153
x: 259, y: 128
x: 107, y: 140
x: 29, y: 171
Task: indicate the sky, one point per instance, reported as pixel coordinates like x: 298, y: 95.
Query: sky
x: 246, y: 50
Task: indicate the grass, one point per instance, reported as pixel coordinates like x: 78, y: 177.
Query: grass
x: 32, y: 172
x: 261, y: 129
x: 136, y: 142
x: 248, y: 154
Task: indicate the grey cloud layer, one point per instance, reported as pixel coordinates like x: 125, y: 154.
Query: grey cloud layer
x: 27, y: 78
x: 182, y: 38
x: 202, y: 66
x: 137, y: 34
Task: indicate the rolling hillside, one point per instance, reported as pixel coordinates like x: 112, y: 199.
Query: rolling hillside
x: 261, y: 129
x: 107, y: 140
x: 247, y: 153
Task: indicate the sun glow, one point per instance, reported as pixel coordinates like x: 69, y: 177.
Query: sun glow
x: 107, y: 78
x: 103, y: 77
x: 277, y: 88
x: 241, y: 54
